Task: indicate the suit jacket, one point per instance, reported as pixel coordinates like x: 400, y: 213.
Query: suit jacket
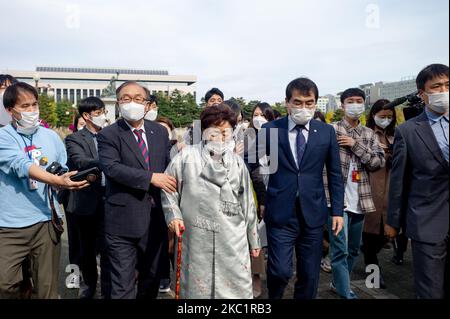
x: 418, y: 189
x: 81, y: 155
x: 288, y: 180
x: 129, y: 195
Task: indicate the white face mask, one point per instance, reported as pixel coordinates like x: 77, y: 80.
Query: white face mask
x: 99, y: 121
x: 383, y: 123
x: 259, y: 121
x: 219, y: 147
x: 151, y: 115
x: 29, y: 123
x: 354, y: 110
x: 438, y: 102
x: 302, y: 116
x: 132, y: 111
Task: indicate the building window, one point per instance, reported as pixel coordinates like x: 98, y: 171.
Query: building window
x: 85, y: 93
x: 64, y: 95
x: 97, y: 93
x: 58, y: 95
x: 72, y: 96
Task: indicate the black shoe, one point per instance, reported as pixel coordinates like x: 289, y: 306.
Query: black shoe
x: 382, y: 283
x: 397, y: 260
x: 164, y: 285
x: 87, y: 294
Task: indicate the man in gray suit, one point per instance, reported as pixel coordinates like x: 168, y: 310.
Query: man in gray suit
x: 419, y: 184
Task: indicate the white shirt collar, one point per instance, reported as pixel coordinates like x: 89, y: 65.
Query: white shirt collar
x: 292, y: 125
x: 142, y: 127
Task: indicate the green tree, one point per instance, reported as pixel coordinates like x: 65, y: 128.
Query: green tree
x: 47, y: 109
x: 337, y: 115
x: 280, y: 107
x: 65, y: 113
x: 178, y: 107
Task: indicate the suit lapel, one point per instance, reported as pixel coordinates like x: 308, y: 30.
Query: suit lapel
x: 426, y: 134
x: 313, y: 135
x: 285, y: 145
x: 87, y: 136
x: 128, y: 137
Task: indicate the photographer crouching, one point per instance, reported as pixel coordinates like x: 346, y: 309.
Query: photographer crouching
x: 30, y: 217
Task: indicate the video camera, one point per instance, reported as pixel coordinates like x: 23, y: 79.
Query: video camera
x: 414, y: 102
x: 56, y: 168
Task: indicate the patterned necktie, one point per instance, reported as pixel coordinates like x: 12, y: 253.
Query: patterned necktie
x: 300, y: 142
x: 142, y: 146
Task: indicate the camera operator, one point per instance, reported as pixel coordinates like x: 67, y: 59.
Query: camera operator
x: 29, y: 219
x: 418, y: 189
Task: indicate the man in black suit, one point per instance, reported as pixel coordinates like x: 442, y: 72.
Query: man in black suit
x: 85, y: 208
x: 419, y: 185
x: 134, y: 154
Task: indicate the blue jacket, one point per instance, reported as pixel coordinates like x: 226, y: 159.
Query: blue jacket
x: 20, y: 207
x: 288, y: 180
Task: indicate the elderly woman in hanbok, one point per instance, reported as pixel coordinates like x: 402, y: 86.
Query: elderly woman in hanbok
x: 214, y: 205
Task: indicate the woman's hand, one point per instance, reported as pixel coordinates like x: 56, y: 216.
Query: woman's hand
x: 255, y: 252
x: 176, y: 226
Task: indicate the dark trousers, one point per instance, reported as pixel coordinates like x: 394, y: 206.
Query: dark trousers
x: 372, y: 245
x: 74, y: 240
x: 146, y: 255
x: 41, y: 245
x: 89, y: 230
x: 431, y: 269
x: 307, y: 243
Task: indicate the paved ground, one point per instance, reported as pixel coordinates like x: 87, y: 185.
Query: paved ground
x: 398, y: 279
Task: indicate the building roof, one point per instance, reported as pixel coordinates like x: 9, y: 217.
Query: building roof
x: 100, y: 70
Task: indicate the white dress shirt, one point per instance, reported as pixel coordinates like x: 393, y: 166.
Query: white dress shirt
x: 142, y: 127
x: 293, y: 136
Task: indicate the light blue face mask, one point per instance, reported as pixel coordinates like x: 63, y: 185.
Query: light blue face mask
x: 354, y: 110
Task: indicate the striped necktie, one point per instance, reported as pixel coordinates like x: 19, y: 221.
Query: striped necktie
x: 300, y: 142
x: 142, y: 146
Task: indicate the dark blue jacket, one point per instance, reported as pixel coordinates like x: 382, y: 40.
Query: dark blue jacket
x: 321, y: 151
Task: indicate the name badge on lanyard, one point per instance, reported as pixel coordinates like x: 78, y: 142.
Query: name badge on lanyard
x: 32, y: 184
x: 356, y: 176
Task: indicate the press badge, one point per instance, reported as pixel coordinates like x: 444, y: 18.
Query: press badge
x: 356, y: 176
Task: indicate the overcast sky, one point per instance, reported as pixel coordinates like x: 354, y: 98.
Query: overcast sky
x: 248, y: 48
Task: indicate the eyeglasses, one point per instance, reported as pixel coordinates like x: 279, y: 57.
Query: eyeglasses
x: 128, y: 99
x: 99, y: 112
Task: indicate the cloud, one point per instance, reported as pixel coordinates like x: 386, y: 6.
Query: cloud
x: 247, y: 48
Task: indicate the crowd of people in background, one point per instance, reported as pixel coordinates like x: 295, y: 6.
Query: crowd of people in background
x: 229, y: 202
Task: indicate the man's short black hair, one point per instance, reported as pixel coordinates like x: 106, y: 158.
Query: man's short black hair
x: 125, y: 84
x: 352, y: 92
x: 304, y: 86
x: 213, y: 91
x: 153, y: 99
x: 13, y: 91
x: 4, y: 78
x: 429, y: 73
x: 90, y: 104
